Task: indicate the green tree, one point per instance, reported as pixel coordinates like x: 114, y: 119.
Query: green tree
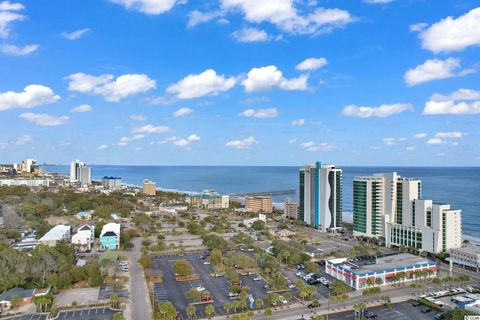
x: 114, y: 301
x: 191, y: 310
x: 183, y: 268
x: 145, y: 261
x: 216, y: 257
x: 268, y: 312
x: 209, y: 310
x: 167, y: 310
x: 118, y: 316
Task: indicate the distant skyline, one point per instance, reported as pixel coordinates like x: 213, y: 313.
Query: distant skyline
x: 241, y: 82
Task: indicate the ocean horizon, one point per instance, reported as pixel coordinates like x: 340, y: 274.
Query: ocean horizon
x: 457, y: 186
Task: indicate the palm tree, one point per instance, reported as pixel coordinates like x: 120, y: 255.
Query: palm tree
x: 114, y: 301
x: 359, y: 308
x: 259, y: 303
x: 191, y: 310
x: 378, y: 281
x: 209, y: 310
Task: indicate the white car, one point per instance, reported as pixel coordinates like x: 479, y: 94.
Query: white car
x: 206, y: 262
x: 291, y: 286
x: 200, y: 289
x: 257, y: 279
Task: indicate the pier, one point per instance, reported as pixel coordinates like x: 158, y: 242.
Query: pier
x: 265, y: 193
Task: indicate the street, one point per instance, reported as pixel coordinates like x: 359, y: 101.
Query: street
x: 140, y: 306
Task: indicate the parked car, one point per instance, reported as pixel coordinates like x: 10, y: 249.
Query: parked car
x: 233, y: 294
x: 426, y: 310
x: 369, y: 315
x: 206, y: 262
x: 257, y: 278
x: 200, y: 289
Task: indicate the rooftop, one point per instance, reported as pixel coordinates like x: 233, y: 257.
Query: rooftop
x: 22, y: 293
x: 371, y: 265
x: 469, y: 249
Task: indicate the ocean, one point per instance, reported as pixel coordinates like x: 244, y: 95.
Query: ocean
x: 458, y: 186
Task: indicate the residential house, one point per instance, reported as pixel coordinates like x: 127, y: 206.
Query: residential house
x: 84, y: 238
x: 56, y: 234
x: 110, y: 236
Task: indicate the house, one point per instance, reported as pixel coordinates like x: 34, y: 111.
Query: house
x: 56, y: 234
x: 84, y: 238
x: 110, y: 236
x: 25, y: 297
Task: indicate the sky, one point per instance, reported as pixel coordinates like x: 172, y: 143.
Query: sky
x: 240, y: 82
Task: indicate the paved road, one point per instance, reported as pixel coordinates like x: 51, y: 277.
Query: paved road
x: 140, y: 306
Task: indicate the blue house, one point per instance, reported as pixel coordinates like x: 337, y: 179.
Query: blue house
x: 110, y: 236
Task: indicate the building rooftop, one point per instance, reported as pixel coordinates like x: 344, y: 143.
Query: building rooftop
x: 22, y: 293
x: 372, y: 265
x: 469, y: 249
x: 56, y: 233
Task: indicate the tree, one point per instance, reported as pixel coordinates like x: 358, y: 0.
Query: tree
x: 167, y: 310
x: 209, y: 310
x: 145, y: 261
x: 268, y: 312
x: 216, y: 257
x: 118, y: 316
x: 359, y: 309
x: 191, y: 310
x: 114, y: 301
x: 259, y: 225
x: 183, y: 268
x: 193, y: 294
x: 259, y: 303
x: 15, y: 301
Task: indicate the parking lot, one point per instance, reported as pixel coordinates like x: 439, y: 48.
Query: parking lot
x: 218, y: 287
x: 322, y: 291
x: 35, y: 316
x: 87, y: 314
x: 399, y: 311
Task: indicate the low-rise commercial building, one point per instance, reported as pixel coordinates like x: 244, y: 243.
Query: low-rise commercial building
x: 355, y: 272
x: 208, y: 199
x: 468, y: 256
x: 149, y: 187
x: 259, y: 204
x: 249, y: 222
x: 25, y: 297
x: 290, y: 209
x: 110, y: 236
x: 55, y: 235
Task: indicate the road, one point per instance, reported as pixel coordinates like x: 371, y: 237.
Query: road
x: 140, y: 307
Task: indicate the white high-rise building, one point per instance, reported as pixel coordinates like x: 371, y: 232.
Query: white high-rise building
x: 79, y: 172
x: 320, y: 203
x: 389, y: 207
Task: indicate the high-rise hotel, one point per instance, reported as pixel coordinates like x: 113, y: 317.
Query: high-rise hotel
x: 320, y: 202
x: 79, y: 172
x: 389, y: 207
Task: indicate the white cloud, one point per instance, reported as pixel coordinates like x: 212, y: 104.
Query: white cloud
x: 251, y: 35
x: 260, y: 113
x: 460, y: 102
x: 389, y: 141
x: 187, y: 141
x: 382, y: 111
x: 102, y: 147
x: 292, y: 141
x: 435, y: 69
x: 113, y: 89
x: 75, y: 35
x: 268, y: 78
x: 43, y: 119
x: 312, y: 146
x: 82, y: 108
x: 182, y: 112
x: 298, y: 122
x: 453, y: 34
x: 199, y: 85
x: 311, y: 64
x: 242, y: 144
x: 197, y: 17
x: 12, y: 50
x: 451, y: 134
x: 420, y: 135
x: 436, y: 141
x: 126, y: 140
x: 410, y: 148
x: 417, y: 27
x: 378, y: 1
x: 285, y: 16
x: 153, y: 7
x: 32, y: 96
x: 149, y: 129
x: 11, y: 6
x: 8, y: 16
x: 137, y: 117
x: 24, y: 139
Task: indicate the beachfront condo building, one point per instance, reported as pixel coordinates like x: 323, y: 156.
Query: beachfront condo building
x: 79, y: 172
x: 208, y: 199
x: 390, y: 208
x: 290, y: 209
x: 112, y: 183
x: 320, y: 202
x: 149, y: 187
x: 259, y: 204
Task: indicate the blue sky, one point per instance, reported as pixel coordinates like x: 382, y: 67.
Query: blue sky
x: 235, y: 82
